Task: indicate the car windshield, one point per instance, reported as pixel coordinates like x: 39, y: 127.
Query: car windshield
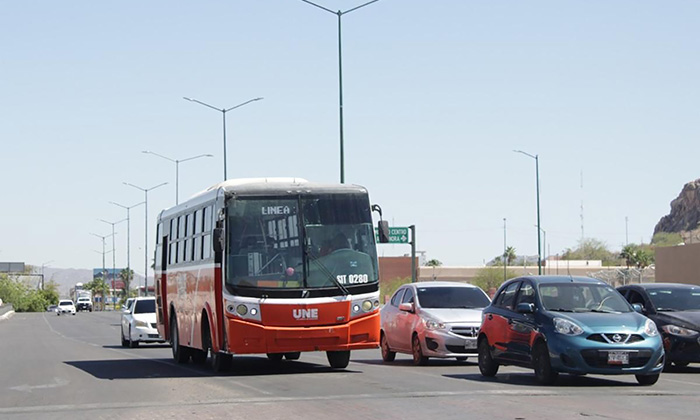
x: 675, y: 298
x: 582, y: 297
x: 145, y: 306
x: 451, y: 297
x: 65, y: 303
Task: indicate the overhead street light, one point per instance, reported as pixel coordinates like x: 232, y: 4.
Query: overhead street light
x: 145, y: 255
x: 340, y: 14
x: 539, y: 228
x: 44, y: 264
x: 104, y: 270
x: 177, y: 168
x: 128, y: 237
x: 114, y: 250
x: 223, y: 111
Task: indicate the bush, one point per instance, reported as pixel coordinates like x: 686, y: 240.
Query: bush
x: 491, y: 277
x: 387, y: 288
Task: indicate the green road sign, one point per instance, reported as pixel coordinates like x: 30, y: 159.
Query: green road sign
x: 397, y: 235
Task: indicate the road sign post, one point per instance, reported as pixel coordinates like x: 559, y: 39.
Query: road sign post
x: 400, y: 235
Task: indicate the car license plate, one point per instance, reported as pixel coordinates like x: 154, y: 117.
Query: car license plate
x: 618, y: 358
x: 470, y: 344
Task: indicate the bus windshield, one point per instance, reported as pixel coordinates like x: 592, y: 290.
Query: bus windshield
x: 316, y: 241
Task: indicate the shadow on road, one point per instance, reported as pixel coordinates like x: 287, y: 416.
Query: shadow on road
x: 682, y: 369
x: 434, y: 362
x: 167, y: 368
x: 528, y: 379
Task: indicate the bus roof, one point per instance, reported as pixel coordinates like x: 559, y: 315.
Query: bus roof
x: 263, y: 187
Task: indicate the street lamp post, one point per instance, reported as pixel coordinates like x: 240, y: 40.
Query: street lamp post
x: 145, y: 256
x: 42, y: 272
x: 114, y: 250
x: 340, y: 75
x: 104, y: 270
x: 177, y: 169
x: 128, y: 240
x: 537, y: 177
x: 223, y: 111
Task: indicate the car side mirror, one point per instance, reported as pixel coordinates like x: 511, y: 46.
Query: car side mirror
x: 638, y: 308
x: 406, y: 307
x: 525, y: 308
x: 218, y: 239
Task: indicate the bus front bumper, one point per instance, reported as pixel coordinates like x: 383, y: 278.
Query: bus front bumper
x: 248, y: 338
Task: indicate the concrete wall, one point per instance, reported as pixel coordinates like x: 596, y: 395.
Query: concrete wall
x: 678, y: 264
x: 395, y: 267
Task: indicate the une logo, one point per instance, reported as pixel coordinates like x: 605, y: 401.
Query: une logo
x: 304, y: 314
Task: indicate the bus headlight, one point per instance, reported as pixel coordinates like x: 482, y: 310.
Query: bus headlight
x: 367, y: 305
x: 241, y: 309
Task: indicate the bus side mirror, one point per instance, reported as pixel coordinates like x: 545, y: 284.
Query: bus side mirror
x: 383, y: 230
x: 218, y: 238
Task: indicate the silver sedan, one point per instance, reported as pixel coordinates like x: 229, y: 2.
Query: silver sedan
x: 432, y: 319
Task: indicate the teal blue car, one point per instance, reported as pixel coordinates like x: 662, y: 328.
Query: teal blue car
x: 563, y: 324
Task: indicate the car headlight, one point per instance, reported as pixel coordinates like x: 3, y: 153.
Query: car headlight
x: 676, y: 330
x: 141, y: 324
x: 566, y: 327
x: 650, y: 328
x: 431, y: 324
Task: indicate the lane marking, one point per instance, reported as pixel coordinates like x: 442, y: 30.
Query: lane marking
x: 29, y: 388
x: 280, y: 399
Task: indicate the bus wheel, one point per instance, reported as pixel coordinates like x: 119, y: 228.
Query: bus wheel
x: 338, y: 359
x: 180, y: 353
x: 275, y: 357
x: 221, y: 362
x: 292, y: 356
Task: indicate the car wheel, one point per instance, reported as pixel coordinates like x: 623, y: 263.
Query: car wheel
x: 647, y: 380
x: 543, y: 367
x: 338, y: 359
x: 275, y: 357
x: 417, y: 351
x: 132, y: 343
x: 461, y: 359
x: 180, y: 353
x: 292, y: 356
x: 387, y: 354
x: 124, y: 342
x: 487, y: 366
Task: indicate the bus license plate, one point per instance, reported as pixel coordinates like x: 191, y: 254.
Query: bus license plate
x: 618, y: 358
x: 470, y: 344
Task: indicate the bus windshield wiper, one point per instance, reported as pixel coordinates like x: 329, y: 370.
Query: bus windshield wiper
x: 325, y: 271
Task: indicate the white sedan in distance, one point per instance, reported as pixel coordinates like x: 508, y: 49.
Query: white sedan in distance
x: 432, y: 319
x: 139, y: 323
x: 65, y: 306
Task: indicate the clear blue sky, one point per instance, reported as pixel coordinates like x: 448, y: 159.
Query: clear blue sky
x: 437, y: 95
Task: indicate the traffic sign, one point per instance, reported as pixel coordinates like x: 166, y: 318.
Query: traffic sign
x: 397, y: 235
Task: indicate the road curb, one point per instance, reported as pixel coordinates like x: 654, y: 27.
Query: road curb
x: 7, y: 315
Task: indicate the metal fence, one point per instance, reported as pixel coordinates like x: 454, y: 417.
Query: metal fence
x: 621, y: 276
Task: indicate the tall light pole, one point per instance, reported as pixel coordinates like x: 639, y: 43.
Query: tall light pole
x: 340, y: 75
x: 145, y: 255
x: 128, y: 239
x: 505, y: 252
x: 177, y: 169
x: 537, y: 177
x: 223, y: 111
x: 544, y: 245
x: 44, y: 264
x: 114, y: 250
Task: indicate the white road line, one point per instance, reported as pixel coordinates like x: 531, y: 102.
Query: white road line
x: 663, y: 378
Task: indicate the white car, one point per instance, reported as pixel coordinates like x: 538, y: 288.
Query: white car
x: 65, y: 306
x: 139, y: 323
x: 432, y: 319
x: 127, y: 304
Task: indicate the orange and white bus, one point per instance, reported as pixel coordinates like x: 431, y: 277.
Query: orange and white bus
x: 274, y: 266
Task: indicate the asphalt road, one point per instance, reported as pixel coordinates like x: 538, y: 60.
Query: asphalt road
x: 73, y: 367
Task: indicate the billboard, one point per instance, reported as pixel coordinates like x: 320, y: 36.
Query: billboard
x: 109, y: 275
x: 11, y: 267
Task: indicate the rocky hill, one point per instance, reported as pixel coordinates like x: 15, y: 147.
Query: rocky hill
x: 68, y: 277
x: 685, y: 214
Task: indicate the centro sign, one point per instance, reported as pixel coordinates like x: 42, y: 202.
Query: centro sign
x: 305, y: 314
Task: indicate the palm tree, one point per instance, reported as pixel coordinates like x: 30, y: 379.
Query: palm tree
x: 126, y: 276
x: 628, y: 254
x: 509, y: 255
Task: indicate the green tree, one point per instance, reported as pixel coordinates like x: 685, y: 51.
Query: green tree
x: 24, y: 297
x: 127, y: 276
x: 592, y: 249
x: 509, y: 255
x: 662, y: 239
x: 99, y: 287
x: 628, y: 252
x: 643, y: 258
x: 434, y: 263
x: 491, y: 277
